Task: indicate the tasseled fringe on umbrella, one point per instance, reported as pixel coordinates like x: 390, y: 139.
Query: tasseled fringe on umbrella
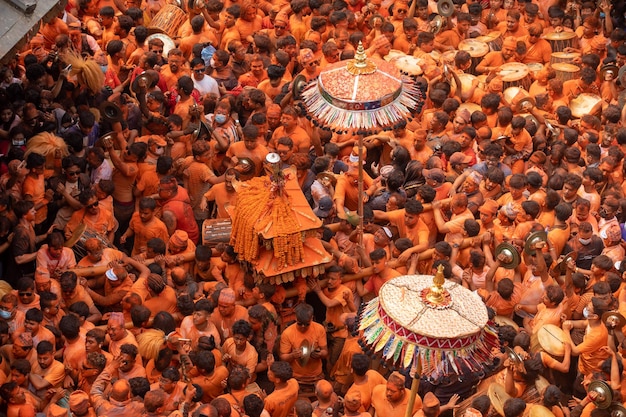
x: 425, y: 360
x: 321, y: 109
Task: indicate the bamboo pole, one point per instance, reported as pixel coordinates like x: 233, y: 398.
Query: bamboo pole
x: 93, y: 271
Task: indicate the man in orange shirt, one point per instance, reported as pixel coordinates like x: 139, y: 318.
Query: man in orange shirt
x: 511, y: 25
x: 455, y: 226
x: 391, y: 399
x: 198, y: 36
x: 304, y: 331
x: 365, y: 379
x: 176, y: 67
x: 227, y: 313
x: 223, y: 194
x: 346, y: 191
x: 289, y: 127
x: 118, y: 334
x: 248, y: 148
x: 493, y: 60
x: 199, y: 177
x: 381, y: 273
x: 449, y: 40
x: 338, y: 299
x: 72, y: 292
x: 161, y: 296
x: 281, y: 401
x: 256, y: 74
x: 590, y: 351
x: 144, y: 225
x: 537, y: 49
x: 177, y: 213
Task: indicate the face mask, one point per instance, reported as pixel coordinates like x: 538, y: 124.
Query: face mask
x: 220, y: 118
x: 584, y: 241
x: 586, y: 313
x: 159, y: 151
x: 212, y: 63
x: 5, y: 314
x: 602, y: 212
x: 104, y: 68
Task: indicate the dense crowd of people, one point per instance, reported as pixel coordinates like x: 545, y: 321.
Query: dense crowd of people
x: 126, y: 126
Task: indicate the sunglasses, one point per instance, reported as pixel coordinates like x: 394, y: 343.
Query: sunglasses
x: 73, y: 173
x: 199, y: 70
x: 96, y: 204
x: 280, y: 27
x: 25, y: 294
x: 402, y: 10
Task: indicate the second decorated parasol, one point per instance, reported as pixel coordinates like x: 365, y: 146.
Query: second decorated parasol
x: 430, y: 327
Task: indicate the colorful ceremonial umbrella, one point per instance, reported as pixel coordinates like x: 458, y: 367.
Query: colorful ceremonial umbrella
x: 360, y: 96
x: 429, y: 326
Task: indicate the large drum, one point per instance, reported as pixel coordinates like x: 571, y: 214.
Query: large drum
x: 408, y: 65
x: 515, y: 74
x: 585, y: 104
x: 466, y: 82
x: 80, y: 236
x: 566, y: 72
x: 564, y: 57
x: 477, y: 50
x: 215, y: 231
x: 168, y: 20
x: 561, y: 40
x: 394, y: 53
x: 493, y: 39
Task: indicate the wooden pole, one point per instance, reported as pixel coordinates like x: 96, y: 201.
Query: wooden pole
x: 360, y: 197
x: 414, y: 386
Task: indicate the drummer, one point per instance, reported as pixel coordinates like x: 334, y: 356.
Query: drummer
x: 511, y: 26
x: 494, y: 59
x: 537, y: 49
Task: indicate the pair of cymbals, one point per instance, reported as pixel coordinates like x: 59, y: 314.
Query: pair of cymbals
x: 510, y: 255
x: 533, y: 239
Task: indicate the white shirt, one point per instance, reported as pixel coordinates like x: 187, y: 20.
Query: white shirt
x: 206, y: 85
x: 103, y: 172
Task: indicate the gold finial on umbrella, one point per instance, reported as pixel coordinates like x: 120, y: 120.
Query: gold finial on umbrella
x: 435, y: 295
x: 360, y: 64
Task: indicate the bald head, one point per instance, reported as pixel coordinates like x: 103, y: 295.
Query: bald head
x: 179, y: 275
x: 205, y: 410
x: 323, y: 390
x: 120, y: 391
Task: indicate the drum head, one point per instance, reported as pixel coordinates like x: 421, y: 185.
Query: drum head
x: 560, y: 36
x: 498, y: 396
x: 394, y: 53
x: 513, y: 71
x: 409, y: 65
x: 565, y: 55
x: 76, y: 235
x: 583, y: 104
x: 552, y: 339
x: 474, y: 47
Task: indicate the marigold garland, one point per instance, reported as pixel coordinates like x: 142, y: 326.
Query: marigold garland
x: 261, y: 206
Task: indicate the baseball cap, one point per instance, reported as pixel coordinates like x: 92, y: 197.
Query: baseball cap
x: 460, y: 158
x: 323, y: 208
x: 489, y: 207
x: 435, y: 174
